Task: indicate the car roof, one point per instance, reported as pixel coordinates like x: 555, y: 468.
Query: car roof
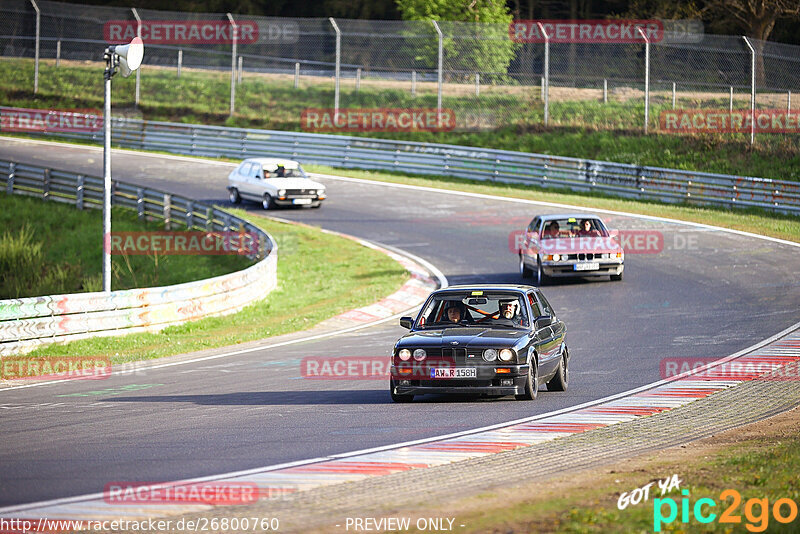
x: 273, y: 162
x: 552, y: 216
x: 489, y: 287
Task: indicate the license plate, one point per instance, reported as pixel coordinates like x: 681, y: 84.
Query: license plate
x: 591, y: 266
x: 458, y: 372
x: 301, y: 201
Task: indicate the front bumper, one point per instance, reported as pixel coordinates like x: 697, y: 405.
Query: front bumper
x: 567, y: 269
x: 290, y: 201
x: 487, y: 382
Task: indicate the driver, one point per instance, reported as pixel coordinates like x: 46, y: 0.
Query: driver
x: 509, y: 309
x: 455, y: 313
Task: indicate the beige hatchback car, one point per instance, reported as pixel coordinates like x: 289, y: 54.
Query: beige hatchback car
x: 273, y: 183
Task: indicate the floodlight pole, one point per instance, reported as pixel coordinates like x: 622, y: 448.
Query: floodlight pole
x: 138, y: 71
x: 110, y: 58
x: 752, y: 91
x: 646, y: 79
x: 235, y: 35
x: 36, y: 61
x: 440, y: 55
x: 546, y: 88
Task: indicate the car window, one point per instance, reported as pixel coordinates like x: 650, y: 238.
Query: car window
x: 244, y: 169
x: 537, y: 311
x: 474, y: 308
x: 533, y: 225
x: 546, y: 308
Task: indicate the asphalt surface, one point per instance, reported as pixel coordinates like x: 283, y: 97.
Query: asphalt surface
x: 706, y: 294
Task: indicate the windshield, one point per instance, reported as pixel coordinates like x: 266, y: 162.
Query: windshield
x: 272, y: 171
x: 474, y: 308
x: 573, y: 227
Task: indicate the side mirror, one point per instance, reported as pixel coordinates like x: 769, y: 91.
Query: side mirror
x: 407, y: 322
x: 543, y: 321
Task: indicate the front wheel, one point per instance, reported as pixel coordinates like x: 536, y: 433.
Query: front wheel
x: 267, y: 202
x: 539, y: 276
x: 531, y: 382
x: 560, y: 380
x: 233, y: 194
x: 396, y: 397
x: 524, y: 270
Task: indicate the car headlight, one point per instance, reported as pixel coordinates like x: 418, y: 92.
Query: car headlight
x: 506, y: 355
x: 490, y: 355
x: 556, y: 257
x: 404, y: 354
x: 419, y: 354
x: 320, y: 191
x: 282, y: 192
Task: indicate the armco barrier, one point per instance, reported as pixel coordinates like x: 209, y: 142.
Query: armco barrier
x: 618, y: 179
x: 29, y: 322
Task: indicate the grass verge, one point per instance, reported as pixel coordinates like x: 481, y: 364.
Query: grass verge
x: 319, y: 276
x: 580, y: 128
x: 752, y: 220
x: 53, y: 248
x: 759, y: 461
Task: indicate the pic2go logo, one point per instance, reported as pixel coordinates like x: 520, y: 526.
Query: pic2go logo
x: 756, y: 511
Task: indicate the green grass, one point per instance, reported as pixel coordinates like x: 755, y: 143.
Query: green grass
x: 319, y: 276
x: 585, y: 129
x: 747, y: 220
x: 758, y: 464
x: 53, y: 248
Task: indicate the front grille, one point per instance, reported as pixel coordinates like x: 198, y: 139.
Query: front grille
x: 457, y: 356
x: 585, y: 256
x: 301, y: 192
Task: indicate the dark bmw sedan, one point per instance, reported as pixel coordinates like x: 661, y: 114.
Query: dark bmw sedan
x: 492, y: 340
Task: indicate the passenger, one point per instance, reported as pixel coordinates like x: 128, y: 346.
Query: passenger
x: 552, y: 230
x: 586, y: 229
x: 281, y: 171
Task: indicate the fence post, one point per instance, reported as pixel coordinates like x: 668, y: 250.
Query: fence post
x: 234, y: 33
x: 79, y: 192
x: 752, y: 90
x: 36, y: 61
x: 546, y: 89
x: 140, y: 207
x: 673, y: 95
x: 240, y: 70
x: 180, y: 61
x: 296, y: 75
x: 58, y: 53
x: 338, y: 69
x: 358, y: 79
x: 439, y: 75
x: 209, y: 219
x: 477, y: 84
x: 788, y: 103
x: 10, y: 185
x: 139, y: 70
x: 413, y: 84
x: 167, y: 210
x: 731, y: 101
x: 646, y: 79
x: 605, y: 91
x: 46, y: 185
x: 190, y: 215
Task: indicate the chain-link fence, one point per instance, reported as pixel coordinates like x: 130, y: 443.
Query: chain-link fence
x: 472, y: 76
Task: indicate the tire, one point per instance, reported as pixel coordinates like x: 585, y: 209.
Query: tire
x: 616, y: 277
x: 524, y: 270
x: 234, y: 196
x: 560, y: 380
x: 267, y: 202
x: 539, y: 278
x: 398, y: 398
x: 531, y: 383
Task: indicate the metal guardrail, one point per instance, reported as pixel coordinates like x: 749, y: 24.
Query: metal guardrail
x: 618, y: 179
x: 27, y: 323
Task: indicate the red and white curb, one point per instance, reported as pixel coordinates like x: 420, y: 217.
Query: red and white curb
x: 276, y: 482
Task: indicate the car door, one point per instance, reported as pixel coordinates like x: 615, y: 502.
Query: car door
x: 549, y: 339
x: 530, y: 244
